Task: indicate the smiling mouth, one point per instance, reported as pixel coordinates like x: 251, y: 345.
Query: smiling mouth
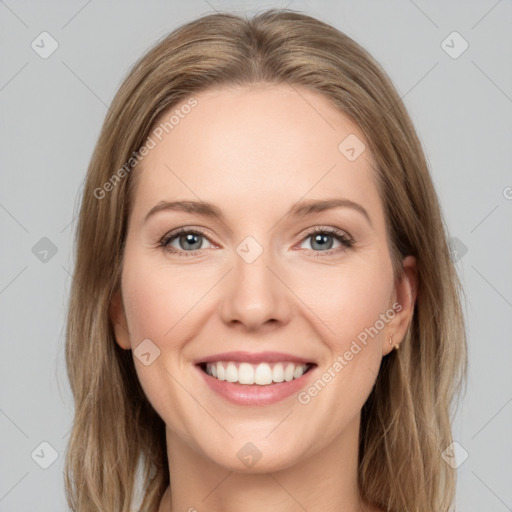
x: 260, y: 374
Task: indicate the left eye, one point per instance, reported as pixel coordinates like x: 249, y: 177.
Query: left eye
x: 322, y: 240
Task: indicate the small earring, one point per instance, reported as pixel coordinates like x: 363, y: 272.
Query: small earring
x: 397, y: 346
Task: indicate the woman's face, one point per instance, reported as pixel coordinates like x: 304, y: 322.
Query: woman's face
x: 271, y: 278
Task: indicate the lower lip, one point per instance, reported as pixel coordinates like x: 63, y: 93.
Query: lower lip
x: 253, y: 394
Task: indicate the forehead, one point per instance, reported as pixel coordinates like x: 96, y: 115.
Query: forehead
x: 255, y: 147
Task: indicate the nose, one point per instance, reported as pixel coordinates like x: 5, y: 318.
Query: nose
x: 255, y: 295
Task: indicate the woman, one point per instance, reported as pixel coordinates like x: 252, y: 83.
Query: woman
x: 304, y: 352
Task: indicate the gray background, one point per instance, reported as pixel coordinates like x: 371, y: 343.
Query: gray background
x: 51, y: 113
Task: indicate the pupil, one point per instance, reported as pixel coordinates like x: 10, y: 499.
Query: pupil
x: 189, y: 239
x: 321, y: 240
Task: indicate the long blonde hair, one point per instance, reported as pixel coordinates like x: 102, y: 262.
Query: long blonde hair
x: 406, y: 421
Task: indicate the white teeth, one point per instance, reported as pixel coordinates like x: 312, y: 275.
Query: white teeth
x: 298, y: 372
x: 231, y: 373
x: 288, y: 373
x: 221, y: 373
x: 246, y: 373
x: 261, y: 374
x: 278, y: 373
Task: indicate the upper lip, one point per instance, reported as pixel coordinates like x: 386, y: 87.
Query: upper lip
x: 253, y: 357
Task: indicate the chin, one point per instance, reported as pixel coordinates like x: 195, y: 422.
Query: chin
x: 249, y: 457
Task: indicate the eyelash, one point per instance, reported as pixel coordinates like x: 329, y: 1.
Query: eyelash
x: 336, y: 233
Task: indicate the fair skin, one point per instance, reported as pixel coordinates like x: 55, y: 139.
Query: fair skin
x: 254, y: 152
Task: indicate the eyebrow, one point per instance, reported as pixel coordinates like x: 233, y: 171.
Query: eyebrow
x: 299, y: 209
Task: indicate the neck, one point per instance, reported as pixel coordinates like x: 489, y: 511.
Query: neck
x: 325, y: 481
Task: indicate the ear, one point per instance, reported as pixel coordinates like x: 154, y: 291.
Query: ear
x: 118, y: 318
x: 404, y: 299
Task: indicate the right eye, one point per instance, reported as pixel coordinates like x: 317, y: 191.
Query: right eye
x: 186, y: 238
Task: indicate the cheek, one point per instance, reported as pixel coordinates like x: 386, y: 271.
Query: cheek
x: 349, y: 299
x: 163, y: 305
x: 159, y: 300
x: 352, y: 304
